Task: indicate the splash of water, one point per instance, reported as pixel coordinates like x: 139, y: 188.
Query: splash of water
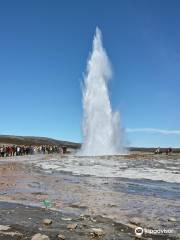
x: 101, y: 126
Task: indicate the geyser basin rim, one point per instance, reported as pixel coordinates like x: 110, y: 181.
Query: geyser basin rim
x: 106, y: 155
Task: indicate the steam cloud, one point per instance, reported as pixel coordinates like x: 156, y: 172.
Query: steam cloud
x: 101, y: 126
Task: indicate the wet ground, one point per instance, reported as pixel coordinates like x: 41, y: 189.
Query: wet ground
x: 124, y: 191
x: 26, y: 221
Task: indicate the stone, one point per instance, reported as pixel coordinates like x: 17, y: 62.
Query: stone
x: 40, y: 236
x: 97, y: 232
x: 132, y: 226
x: 47, y: 221
x: 4, y: 227
x: 11, y: 234
x: 135, y: 221
x: 72, y: 226
x: 66, y: 219
x: 93, y: 220
x: 172, y: 219
x: 61, y: 237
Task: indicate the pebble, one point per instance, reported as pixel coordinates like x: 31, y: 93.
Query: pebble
x: 135, y: 221
x: 47, y: 221
x: 97, y: 232
x: 4, y: 227
x: 40, y: 236
x: 66, y: 219
x: 172, y: 219
x: 61, y: 237
x: 132, y: 226
x: 72, y: 226
x: 93, y: 220
x: 12, y: 234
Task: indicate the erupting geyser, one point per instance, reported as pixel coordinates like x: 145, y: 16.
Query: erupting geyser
x: 101, y: 126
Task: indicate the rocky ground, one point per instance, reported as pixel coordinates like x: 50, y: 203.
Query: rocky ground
x: 83, y: 207
x: 24, y: 222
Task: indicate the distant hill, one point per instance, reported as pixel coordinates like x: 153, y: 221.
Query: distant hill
x: 29, y: 140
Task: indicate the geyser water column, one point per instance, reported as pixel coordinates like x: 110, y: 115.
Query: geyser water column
x: 101, y: 127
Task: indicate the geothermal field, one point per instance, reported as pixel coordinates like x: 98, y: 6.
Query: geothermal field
x: 113, y: 193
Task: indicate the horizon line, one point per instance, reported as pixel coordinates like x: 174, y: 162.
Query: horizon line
x: 154, y: 130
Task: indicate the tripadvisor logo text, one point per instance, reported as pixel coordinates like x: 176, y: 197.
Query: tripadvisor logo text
x: 139, y: 231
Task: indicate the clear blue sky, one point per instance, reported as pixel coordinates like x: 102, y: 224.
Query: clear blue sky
x: 44, y: 47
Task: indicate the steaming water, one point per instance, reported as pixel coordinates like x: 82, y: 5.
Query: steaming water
x: 117, y: 187
x: 101, y: 126
x: 115, y: 167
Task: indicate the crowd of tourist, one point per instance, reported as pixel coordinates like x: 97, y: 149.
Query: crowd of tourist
x: 168, y: 151
x: 13, y: 150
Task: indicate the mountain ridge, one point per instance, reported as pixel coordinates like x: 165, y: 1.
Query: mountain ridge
x: 35, y: 140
